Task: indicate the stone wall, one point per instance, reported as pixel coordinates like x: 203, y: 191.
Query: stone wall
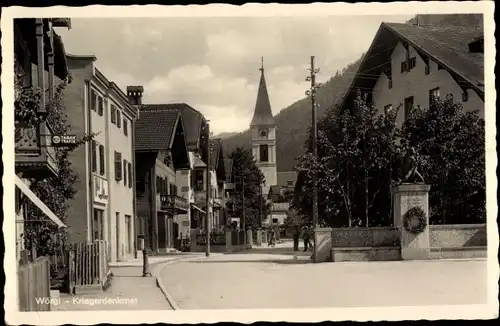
x: 458, y: 235
x: 365, y: 237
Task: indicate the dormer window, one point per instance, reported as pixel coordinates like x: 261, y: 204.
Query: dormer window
x: 477, y: 45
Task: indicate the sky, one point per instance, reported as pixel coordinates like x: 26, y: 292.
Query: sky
x: 212, y: 63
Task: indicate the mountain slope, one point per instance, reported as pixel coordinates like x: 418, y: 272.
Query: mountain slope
x: 295, y: 120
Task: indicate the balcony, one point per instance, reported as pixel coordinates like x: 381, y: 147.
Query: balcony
x: 177, y: 204
x: 35, y: 157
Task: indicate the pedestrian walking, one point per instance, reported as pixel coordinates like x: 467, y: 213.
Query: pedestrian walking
x: 306, y: 236
x: 296, y: 238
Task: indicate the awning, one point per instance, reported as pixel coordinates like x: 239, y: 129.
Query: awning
x: 198, y: 209
x: 31, y: 195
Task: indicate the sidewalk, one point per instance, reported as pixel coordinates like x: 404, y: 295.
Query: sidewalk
x: 128, y: 290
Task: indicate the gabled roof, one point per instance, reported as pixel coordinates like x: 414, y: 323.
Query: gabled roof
x: 446, y: 45
x: 263, y: 114
x: 193, y: 121
x: 155, y: 130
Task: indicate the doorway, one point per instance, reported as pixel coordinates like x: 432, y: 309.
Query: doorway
x: 117, y: 225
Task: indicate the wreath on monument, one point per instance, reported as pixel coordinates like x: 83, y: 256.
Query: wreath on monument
x: 415, y: 220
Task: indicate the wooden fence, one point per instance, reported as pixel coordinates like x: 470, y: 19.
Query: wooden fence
x: 34, y: 285
x: 88, y: 267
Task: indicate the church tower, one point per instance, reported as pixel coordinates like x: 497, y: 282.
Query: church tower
x: 263, y: 129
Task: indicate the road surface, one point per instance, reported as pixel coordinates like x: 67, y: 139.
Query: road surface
x: 273, y: 278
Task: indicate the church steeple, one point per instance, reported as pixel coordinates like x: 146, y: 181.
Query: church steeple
x: 262, y: 115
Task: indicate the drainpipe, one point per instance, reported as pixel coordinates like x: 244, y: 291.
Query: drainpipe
x: 89, y: 160
x: 134, y: 190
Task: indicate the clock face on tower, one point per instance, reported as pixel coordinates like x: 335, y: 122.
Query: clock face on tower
x: 263, y: 132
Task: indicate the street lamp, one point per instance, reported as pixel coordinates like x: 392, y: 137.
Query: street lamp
x: 312, y: 93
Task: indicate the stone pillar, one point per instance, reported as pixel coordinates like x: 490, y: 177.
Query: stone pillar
x: 323, y: 248
x: 259, y: 238
x: 406, y: 196
x: 229, y: 245
x: 264, y: 237
x: 249, y: 239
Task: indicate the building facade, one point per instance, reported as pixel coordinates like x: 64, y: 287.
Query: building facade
x: 34, y: 153
x: 104, y: 206
x: 162, y: 156
x: 410, y: 65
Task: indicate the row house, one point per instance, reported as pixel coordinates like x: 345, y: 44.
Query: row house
x: 411, y: 65
x: 39, y: 62
x: 218, y: 178
x: 190, y: 179
x: 104, y: 205
x: 162, y: 161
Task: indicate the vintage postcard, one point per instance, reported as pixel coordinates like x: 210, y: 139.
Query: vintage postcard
x: 249, y: 163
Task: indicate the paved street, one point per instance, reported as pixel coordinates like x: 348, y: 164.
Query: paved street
x: 274, y: 278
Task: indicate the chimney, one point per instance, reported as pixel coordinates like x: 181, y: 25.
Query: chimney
x: 134, y: 94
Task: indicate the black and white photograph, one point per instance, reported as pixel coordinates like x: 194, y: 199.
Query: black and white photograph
x: 290, y: 162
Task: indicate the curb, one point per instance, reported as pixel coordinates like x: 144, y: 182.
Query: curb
x: 157, y: 272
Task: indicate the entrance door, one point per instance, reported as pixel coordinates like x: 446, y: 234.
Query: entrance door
x: 128, y: 229
x: 162, y: 231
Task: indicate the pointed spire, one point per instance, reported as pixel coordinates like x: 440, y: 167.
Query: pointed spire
x: 262, y: 114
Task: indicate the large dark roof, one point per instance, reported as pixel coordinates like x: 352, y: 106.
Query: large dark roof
x: 447, y: 45
x: 155, y: 130
x: 193, y: 121
x: 263, y: 114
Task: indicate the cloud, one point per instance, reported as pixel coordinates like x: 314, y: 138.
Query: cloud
x: 214, y: 62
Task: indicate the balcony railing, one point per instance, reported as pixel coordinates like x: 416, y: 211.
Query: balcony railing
x: 35, y: 156
x: 174, y: 203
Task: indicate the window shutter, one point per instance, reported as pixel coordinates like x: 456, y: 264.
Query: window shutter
x: 118, y: 166
x: 93, y: 100
x: 100, y: 108
x: 101, y: 160
x: 118, y: 119
x: 158, y: 184
x: 94, y: 156
x: 125, y: 127
x: 125, y: 173
x: 113, y: 113
x: 130, y: 175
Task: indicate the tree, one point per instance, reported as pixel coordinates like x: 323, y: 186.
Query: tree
x: 248, y: 180
x: 355, y: 150
x: 451, y: 145
x: 55, y: 191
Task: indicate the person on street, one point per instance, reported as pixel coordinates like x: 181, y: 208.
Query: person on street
x: 296, y: 238
x: 307, y: 242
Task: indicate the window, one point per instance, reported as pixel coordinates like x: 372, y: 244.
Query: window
x: 465, y: 96
x: 427, y: 69
x: 413, y: 62
x: 264, y: 153
x: 125, y: 173
x: 93, y: 100
x: 158, y: 185
x: 118, y: 166
x: 403, y: 66
x: 387, y: 108
x: 172, y: 189
x: 101, y: 160
x: 408, y: 106
x: 433, y: 95
x: 130, y: 175
x: 390, y: 83
x: 113, y: 114
x: 289, y: 182
x: 449, y: 97
x: 125, y: 127
x: 94, y: 156
x: 118, y: 119
x: 100, y: 108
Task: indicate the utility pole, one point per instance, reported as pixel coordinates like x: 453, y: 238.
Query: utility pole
x: 243, y: 218
x: 312, y: 93
x: 208, y: 185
